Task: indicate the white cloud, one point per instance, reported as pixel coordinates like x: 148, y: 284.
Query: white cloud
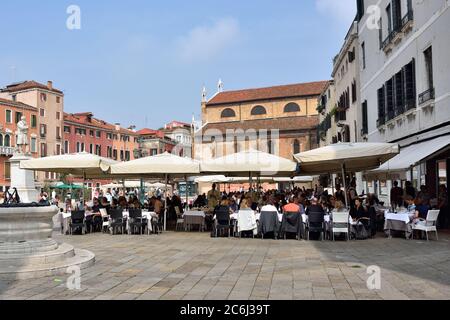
x: 206, y: 42
x: 343, y: 11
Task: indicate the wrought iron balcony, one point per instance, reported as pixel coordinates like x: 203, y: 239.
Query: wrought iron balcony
x: 7, y: 151
x: 426, y: 96
x: 390, y: 115
x: 409, y: 17
x: 381, y: 121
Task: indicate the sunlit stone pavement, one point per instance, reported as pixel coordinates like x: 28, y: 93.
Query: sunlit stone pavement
x: 193, y: 266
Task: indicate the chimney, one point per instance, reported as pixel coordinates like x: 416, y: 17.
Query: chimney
x: 50, y: 85
x: 117, y: 126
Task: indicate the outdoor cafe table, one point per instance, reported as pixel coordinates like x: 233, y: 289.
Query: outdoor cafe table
x: 145, y: 214
x: 398, y: 222
x: 65, y: 219
x: 194, y: 218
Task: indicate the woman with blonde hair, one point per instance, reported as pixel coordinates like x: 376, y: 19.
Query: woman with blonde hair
x: 339, y: 206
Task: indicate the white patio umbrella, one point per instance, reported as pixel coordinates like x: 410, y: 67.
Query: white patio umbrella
x: 346, y: 156
x: 252, y: 161
x: 82, y: 164
x: 212, y: 179
x: 160, y: 166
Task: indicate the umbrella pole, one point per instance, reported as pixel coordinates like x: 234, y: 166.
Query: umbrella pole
x: 142, y: 191
x: 345, y: 186
x: 187, y: 196
x: 165, y: 205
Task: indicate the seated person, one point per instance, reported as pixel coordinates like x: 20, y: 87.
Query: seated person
x: 410, y: 205
x: 421, y: 211
x: 292, y: 207
x: 315, y: 207
x: 358, y: 211
x: 339, y: 206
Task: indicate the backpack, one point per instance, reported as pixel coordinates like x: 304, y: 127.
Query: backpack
x: 361, y: 232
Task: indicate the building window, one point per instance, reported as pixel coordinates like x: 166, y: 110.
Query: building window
x: 43, y: 130
x: 8, y: 116
x: 18, y: 116
x: 291, y: 107
x: 428, y: 55
x: 1, y: 140
x: 98, y: 134
x: 154, y: 152
x: 91, y: 133
x: 43, y: 97
x: 258, y: 111
x: 397, y: 14
x: 67, y: 129
x: 43, y: 149
x: 269, y: 146
x: 363, y: 50
x: 296, y: 146
x: 365, y: 119
x: 80, y: 131
x: 58, y: 149
x: 7, y: 170
x: 58, y: 133
x: 115, y: 154
x: 42, y: 112
x: 389, y: 17
x: 109, y: 136
x: 66, y: 147
x: 380, y: 32
x: 127, y: 156
x: 78, y: 147
x: 228, y: 113
x: 354, y: 91
x: 33, y: 121
x: 7, y: 141
x: 390, y: 99
x: 381, y: 107
x: 14, y: 97
x: 360, y: 8
x: 122, y: 156
x: 58, y: 99
x: 58, y: 115
x: 83, y: 147
x: 91, y: 148
x: 410, y: 84
x: 399, y: 93
x: 33, y: 145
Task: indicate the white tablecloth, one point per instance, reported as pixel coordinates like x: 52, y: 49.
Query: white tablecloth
x: 404, y: 217
x: 195, y: 214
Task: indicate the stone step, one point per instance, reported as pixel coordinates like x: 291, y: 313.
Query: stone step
x: 81, y: 258
x: 61, y: 253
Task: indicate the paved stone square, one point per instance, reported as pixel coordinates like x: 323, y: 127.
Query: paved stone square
x: 193, y: 266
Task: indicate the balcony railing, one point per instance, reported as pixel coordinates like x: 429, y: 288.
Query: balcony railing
x: 390, y: 115
x: 381, y: 121
x: 7, y: 151
x: 409, y: 16
x: 426, y: 96
x: 405, y: 21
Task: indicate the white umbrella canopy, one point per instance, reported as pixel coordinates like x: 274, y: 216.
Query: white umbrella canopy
x: 212, y: 179
x: 157, y: 166
x: 252, y: 161
x: 354, y: 156
x: 82, y: 164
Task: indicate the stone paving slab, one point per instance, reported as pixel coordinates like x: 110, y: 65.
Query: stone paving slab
x: 192, y: 266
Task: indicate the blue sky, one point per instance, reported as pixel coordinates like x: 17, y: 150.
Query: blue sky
x: 145, y: 62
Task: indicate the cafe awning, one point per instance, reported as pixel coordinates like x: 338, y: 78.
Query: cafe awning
x: 413, y: 155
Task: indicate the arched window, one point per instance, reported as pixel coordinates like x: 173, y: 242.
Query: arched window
x: 7, y: 141
x: 296, y: 146
x: 258, y: 111
x: 228, y: 113
x: 292, y: 107
x: 1, y: 140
